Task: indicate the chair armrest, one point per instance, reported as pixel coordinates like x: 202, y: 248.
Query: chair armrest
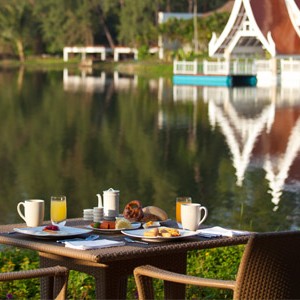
x: 36, y: 273
x: 58, y: 274
x: 153, y: 272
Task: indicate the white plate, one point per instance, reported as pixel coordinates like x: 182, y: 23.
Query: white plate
x: 65, y: 231
x: 139, y: 233
x: 135, y: 225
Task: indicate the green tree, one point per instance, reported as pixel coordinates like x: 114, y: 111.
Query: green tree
x: 107, y: 18
x: 76, y: 22
x: 14, y: 16
x: 182, y: 31
x: 64, y: 23
x: 138, y: 23
x: 33, y: 26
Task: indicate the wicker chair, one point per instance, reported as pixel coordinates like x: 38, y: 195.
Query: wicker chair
x: 58, y: 274
x: 269, y: 269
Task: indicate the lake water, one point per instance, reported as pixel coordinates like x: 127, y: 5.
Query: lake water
x: 236, y: 151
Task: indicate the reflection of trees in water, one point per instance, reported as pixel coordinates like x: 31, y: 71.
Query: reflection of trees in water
x: 78, y: 143
x: 21, y: 77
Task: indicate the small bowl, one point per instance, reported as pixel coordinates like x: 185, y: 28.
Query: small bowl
x: 151, y: 224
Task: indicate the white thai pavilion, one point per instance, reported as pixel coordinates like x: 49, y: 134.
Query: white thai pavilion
x: 260, y: 27
x: 269, y: 32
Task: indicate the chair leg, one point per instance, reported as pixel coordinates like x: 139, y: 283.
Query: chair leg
x: 47, y: 284
x: 172, y: 290
x: 54, y: 287
x: 60, y: 287
x: 144, y: 286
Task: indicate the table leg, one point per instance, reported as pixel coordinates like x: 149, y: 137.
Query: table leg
x: 111, y: 278
x: 176, y: 262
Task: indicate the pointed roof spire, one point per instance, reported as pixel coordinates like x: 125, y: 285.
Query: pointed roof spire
x: 256, y: 26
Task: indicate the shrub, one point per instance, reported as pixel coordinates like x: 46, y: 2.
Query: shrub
x: 219, y: 263
x: 13, y: 259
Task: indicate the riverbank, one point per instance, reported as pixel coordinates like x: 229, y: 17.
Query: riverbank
x: 150, y: 68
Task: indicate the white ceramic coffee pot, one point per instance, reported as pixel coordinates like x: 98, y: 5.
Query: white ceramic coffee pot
x: 110, y: 202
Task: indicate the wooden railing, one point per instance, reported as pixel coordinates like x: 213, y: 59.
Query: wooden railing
x: 185, y: 67
x: 290, y: 66
x: 216, y: 67
x: 235, y: 66
x: 213, y: 67
x: 268, y: 72
x: 290, y: 71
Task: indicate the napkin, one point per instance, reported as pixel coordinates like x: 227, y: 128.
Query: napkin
x: 219, y: 231
x: 86, y: 245
x: 169, y: 223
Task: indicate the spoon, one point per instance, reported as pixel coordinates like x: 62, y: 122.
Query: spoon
x: 134, y: 241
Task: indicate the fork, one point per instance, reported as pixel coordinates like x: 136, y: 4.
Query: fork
x: 91, y: 237
x: 134, y: 241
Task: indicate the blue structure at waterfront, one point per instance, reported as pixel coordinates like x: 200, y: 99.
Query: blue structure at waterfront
x: 217, y: 80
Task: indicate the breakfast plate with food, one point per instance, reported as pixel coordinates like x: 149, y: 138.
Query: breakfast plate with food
x: 159, y: 234
x: 114, y: 226
x: 52, y: 231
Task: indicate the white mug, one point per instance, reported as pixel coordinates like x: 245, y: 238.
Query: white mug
x: 110, y: 202
x: 191, y: 215
x: 34, y: 210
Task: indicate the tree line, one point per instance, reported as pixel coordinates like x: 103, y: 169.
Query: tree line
x: 33, y: 27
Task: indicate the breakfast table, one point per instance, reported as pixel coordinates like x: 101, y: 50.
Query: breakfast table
x: 111, y: 266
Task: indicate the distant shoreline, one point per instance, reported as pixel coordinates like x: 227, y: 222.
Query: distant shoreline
x: 152, y: 68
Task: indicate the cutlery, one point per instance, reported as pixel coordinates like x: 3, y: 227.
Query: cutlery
x: 209, y: 235
x: 134, y: 241
x: 91, y: 237
x: 11, y: 232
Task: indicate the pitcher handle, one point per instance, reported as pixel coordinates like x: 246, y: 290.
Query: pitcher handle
x: 99, y: 200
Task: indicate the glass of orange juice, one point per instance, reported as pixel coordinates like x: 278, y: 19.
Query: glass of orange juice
x: 58, y: 210
x: 179, y: 201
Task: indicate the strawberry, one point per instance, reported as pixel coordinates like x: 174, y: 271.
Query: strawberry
x: 51, y: 227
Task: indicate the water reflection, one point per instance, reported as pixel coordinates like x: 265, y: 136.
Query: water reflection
x: 261, y: 127
x: 86, y: 81
x: 234, y: 150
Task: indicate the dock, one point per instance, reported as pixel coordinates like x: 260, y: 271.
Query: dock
x: 219, y: 73
x: 267, y: 72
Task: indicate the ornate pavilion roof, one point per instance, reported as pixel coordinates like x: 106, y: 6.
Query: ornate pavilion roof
x: 256, y: 26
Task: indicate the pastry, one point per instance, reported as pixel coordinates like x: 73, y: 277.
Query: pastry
x: 149, y: 218
x: 154, y: 213
x: 133, y: 211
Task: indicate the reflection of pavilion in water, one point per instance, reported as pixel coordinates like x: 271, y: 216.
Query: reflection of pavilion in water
x: 87, y: 82
x: 262, y: 129
x: 265, y: 135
